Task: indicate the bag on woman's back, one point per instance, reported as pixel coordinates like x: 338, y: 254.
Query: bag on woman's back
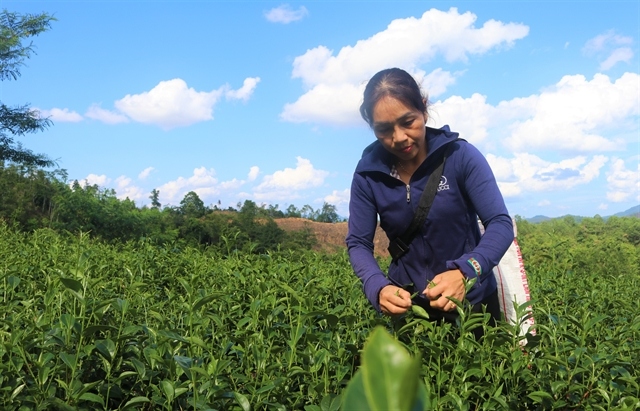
x: 513, y: 287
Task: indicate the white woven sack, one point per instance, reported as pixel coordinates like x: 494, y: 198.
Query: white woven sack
x: 513, y: 286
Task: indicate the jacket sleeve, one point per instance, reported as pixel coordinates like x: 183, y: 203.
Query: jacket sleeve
x: 363, y: 220
x: 485, y: 197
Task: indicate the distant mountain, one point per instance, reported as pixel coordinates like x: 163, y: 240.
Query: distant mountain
x: 632, y: 212
x: 538, y: 219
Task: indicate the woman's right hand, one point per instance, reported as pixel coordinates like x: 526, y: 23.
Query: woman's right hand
x: 394, y: 300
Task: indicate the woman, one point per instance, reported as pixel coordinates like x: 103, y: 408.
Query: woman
x: 387, y: 184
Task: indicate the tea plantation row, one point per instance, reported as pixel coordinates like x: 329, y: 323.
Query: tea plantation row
x: 85, y: 325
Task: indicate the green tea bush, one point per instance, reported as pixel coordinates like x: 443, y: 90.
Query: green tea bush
x: 86, y: 325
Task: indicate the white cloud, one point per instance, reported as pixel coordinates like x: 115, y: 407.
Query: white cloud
x: 603, y: 206
x: 122, y: 186
x: 284, y: 184
x: 604, y: 41
x: 568, y: 115
x: 544, y: 203
x: 436, y: 82
x: 125, y: 189
x: 529, y: 173
x: 285, y: 14
x: 333, y: 104
x: 622, y: 183
x: 244, y: 92
x: 572, y: 116
x: 470, y: 117
x: 62, y: 115
x: 94, y: 179
x: 231, y: 185
x: 170, y: 104
x: 338, y: 198
x: 609, y: 44
x: 335, y: 82
x: 173, y: 104
x: 203, y: 182
x: 253, y: 173
x: 622, y: 54
x: 96, y: 112
x: 145, y: 173
x: 202, y: 178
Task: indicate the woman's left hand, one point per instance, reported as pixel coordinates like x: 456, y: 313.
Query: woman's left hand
x: 447, y: 284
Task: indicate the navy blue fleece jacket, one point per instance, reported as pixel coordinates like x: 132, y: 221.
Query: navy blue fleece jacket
x: 450, y: 237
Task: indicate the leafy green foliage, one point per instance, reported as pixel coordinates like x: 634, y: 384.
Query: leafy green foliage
x: 33, y: 198
x: 19, y: 120
x: 388, y: 378
x: 86, y: 324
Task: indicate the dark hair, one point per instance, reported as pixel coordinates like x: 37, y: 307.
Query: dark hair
x: 396, y: 83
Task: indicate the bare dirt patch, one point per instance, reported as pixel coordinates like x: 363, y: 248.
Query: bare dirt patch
x: 331, y: 236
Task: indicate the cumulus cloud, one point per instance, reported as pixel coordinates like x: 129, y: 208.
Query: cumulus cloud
x: 569, y: 115
x: 96, y: 112
x: 125, y: 188
x: 244, y: 92
x: 63, y: 115
x: 202, y: 178
x: 338, y: 198
x: 173, y: 104
x: 527, y: 172
x: 334, y: 82
x: 469, y: 116
x: 436, y: 82
x: 231, y: 185
x: 611, y: 48
x: 573, y: 116
x: 285, y: 14
x: 203, y: 182
x: 253, y: 173
x: 170, y: 104
x: 95, y: 179
x: 623, y: 184
x: 284, y: 184
x: 145, y: 173
x: 325, y: 103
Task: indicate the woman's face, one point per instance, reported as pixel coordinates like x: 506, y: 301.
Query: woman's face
x: 400, y: 129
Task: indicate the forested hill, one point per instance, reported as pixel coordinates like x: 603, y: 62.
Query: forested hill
x: 34, y: 198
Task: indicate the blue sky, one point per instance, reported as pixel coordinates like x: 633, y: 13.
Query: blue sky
x: 259, y: 100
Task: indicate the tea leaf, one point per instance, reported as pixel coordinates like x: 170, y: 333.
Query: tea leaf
x: 135, y: 401
x: 93, y: 398
x: 242, y: 401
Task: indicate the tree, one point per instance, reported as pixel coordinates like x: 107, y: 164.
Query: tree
x: 192, y: 206
x: 20, y: 120
x: 328, y: 214
x: 292, y: 211
x: 307, y: 212
x: 155, y: 202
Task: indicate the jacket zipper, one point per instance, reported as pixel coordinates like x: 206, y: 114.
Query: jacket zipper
x: 408, y: 193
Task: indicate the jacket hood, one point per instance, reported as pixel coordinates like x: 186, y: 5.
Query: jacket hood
x: 376, y: 158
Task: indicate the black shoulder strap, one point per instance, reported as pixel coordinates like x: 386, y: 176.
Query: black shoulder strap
x: 398, y: 247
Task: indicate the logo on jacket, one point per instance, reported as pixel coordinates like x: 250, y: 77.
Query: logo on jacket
x: 443, y: 184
